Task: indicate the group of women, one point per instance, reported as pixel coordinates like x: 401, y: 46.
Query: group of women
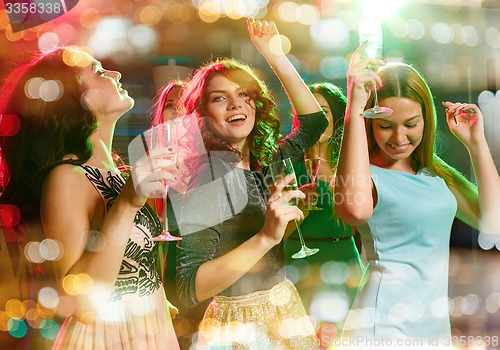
x: 63, y: 175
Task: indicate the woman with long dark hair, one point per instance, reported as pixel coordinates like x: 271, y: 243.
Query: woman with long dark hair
x: 64, y: 177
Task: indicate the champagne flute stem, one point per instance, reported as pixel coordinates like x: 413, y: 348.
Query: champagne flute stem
x: 164, y: 211
x: 375, y: 95
x: 299, y: 232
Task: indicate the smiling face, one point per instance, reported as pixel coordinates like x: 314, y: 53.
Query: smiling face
x: 104, y: 94
x: 398, y: 135
x: 230, y: 111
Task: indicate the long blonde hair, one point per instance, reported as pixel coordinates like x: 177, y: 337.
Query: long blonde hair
x: 403, y: 80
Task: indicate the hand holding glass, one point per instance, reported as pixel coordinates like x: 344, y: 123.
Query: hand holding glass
x: 279, y: 170
x: 370, y: 32
x: 164, y: 136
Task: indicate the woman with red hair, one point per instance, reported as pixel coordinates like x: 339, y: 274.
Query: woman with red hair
x: 232, y: 224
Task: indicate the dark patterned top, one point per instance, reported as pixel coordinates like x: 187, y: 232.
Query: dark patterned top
x: 139, y: 275
x: 225, y: 206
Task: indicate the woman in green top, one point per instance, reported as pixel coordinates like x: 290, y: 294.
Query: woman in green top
x: 331, y: 276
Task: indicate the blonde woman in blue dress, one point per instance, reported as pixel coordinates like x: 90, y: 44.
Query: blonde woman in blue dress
x: 403, y: 198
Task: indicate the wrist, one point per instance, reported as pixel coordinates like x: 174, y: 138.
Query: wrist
x: 355, y: 112
x: 476, y: 146
x: 130, y: 195
x: 276, y: 60
x: 266, y: 240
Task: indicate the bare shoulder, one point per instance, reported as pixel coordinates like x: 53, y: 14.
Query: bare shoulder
x: 67, y: 182
x: 65, y: 173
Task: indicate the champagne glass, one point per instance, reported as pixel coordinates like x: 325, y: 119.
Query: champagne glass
x: 279, y: 170
x: 164, y: 136
x: 370, y: 31
x: 312, y: 161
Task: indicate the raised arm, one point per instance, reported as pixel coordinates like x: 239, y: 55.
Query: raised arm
x: 353, y: 179
x: 265, y: 37
x: 482, y: 211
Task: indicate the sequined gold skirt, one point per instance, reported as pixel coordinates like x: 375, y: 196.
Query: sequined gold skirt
x: 271, y: 319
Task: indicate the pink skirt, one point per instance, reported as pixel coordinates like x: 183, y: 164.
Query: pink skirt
x: 136, y: 323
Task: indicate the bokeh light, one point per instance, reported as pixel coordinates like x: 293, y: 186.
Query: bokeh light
x: 321, y: 33
x: 32, y: 252
x: 143, y: 38
x: 90, y: 18
x: 330, y: 306
x: 4, y: 20
x: 51, y: 90
x: 398, y: 27
x: 47, y: 41
x: 9, y: 213
x: 32, y: 87
x: 78, y: 284
x: 492, y: 302
x: 334, y: 272
x: 51, y: 249
x: 49, y: 329
x: 442, y: 33
x: 15, y: 309
x: 11, y: 36
x: 280, y: 43
x: 48, y: 297
x: 208, y: 12
x: 279, y: 295
x: 110, y: 39
x: 286, y: 11
x: 9, y: 125
x: 307, y: 14
x: 150, y: 15
x: 492, y: 37
x: 4, y: 321
x: 416, y: 29
x: 73, y: 56
x: 440, y: 307
x: 180, y: 13
x: 470, y: 36
x: 17, y: 328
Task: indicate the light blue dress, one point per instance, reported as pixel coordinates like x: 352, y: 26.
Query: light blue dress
x: 405, y: 290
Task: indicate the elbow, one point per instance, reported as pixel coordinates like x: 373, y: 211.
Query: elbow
x: 186, y: 290
x: 353, y: 215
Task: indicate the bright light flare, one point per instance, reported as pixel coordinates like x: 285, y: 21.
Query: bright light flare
x: 381, y: 9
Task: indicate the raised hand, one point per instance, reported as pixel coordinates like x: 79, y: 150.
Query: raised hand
x: 361, y: 79
x: 150, y: 171
x: 265, y: 37
x: 465, y: 122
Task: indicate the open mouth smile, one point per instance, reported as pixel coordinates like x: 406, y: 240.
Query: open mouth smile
x: 236, y: 118
x: 399, y: 147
